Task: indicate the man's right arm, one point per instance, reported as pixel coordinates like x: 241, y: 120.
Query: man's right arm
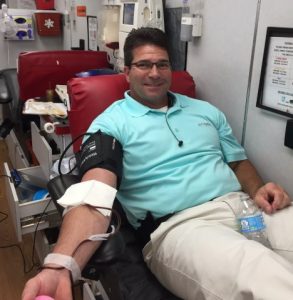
x: 78, y: 224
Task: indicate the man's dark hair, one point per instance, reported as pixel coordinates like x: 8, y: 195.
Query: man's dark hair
x: 143, y: 36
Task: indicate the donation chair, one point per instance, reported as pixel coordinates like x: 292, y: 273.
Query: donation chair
x: 118, y: 264
x: 37, y: 72
x: 40, y: 71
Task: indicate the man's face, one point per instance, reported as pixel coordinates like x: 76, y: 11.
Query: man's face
x: 149, y: 82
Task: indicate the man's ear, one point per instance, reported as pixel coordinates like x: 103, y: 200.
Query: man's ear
x: 126, y: 72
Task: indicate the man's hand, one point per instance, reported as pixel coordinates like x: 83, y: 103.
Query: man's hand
x: 271, y: 197
x: 54, y: 283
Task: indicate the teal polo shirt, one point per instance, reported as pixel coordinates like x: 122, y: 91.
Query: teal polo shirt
x: 158, y: 175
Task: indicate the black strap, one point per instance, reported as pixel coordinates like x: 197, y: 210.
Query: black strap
x: 149, y: 225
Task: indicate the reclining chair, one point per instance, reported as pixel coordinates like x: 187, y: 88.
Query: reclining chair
x: 36, y: 72
x: 118, y: 264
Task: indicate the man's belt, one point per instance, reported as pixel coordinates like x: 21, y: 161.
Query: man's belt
x: 149, y: 225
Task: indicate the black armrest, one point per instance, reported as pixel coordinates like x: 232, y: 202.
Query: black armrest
x: 4, y: 93
x: 11, y: 82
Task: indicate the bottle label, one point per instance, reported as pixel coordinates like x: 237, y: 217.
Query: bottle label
x: 252, y: 223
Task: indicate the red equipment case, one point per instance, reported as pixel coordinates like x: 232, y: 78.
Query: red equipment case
x: 48, y: 24
x: 45, y: 4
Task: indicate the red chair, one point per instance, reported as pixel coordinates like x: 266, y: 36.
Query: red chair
x: 39, y: 71
x: 118, y: 263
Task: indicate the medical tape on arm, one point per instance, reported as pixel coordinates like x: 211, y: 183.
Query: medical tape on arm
x: 91, y: 192
x: 68, y: 262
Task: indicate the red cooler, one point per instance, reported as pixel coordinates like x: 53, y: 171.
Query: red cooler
x: 48, y: 24
x: 45, y: 4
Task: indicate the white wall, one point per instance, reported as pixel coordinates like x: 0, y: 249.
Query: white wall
x: 78, y: 25
x: 220, y: 59
x: 265, y: 131
x: 220, y: 63
x: 11, y: 49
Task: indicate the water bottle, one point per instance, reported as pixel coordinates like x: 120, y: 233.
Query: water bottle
x: 251, y: 221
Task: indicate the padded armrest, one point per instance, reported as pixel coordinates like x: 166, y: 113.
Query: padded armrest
x: 4, y: 94
x: 111, y: 249
x: 10, y: 78
x: 11, y: 89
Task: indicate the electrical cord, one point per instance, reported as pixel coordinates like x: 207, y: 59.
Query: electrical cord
x: 115, y: 213
x: 5, y: 216
x: 25, y: 271
x: 4, y: 175
x: 22, y: 255
x: 69, y: 163
x: 34, y: 264
x: 13, y: 245
x: 13, y: 178
x: 65, y: 151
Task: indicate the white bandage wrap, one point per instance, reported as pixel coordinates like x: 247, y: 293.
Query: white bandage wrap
x: 65, y: 261
x: 91, y: 192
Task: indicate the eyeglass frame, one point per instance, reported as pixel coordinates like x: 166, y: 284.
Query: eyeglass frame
x: 152, y: 64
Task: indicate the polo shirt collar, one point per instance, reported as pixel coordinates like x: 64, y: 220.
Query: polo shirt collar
x: 137, y: 109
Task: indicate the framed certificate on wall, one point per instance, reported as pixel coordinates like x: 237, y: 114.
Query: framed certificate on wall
x: 92, y: 29
x: 275, y: 92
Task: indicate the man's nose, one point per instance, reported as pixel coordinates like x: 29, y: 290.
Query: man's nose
x: 154, y: 71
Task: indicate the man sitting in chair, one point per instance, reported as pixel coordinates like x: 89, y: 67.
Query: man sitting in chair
x: 172, y: 159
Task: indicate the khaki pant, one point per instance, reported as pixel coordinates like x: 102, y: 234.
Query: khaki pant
x: 199, y: 254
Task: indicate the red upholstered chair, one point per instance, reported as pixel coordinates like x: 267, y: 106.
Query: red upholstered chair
x: 39, y: 71
x: 118, y: 263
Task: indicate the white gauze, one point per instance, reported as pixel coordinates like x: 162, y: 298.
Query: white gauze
x: 91, y: 192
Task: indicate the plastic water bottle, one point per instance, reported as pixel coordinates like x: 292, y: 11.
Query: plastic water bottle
x: 251, y: 221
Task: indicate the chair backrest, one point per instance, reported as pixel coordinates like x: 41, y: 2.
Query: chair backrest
x: 90, y: 96
x: 39, y: 71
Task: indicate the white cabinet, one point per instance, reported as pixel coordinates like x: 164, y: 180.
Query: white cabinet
x: 42, y: 151
x: 16, y: 155
x: 26, y: 213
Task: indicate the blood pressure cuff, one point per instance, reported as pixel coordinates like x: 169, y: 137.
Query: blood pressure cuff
x: 101, y: 151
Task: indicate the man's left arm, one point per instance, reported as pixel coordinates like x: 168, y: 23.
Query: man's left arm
x: 270, y: 196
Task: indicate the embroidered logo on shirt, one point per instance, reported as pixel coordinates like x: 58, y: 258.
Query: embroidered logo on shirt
x: 204, y: 124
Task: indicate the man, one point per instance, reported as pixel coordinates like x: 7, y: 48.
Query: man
x: 180, y: 159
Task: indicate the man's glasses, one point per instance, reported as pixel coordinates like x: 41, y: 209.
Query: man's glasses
x: 146, y: 65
